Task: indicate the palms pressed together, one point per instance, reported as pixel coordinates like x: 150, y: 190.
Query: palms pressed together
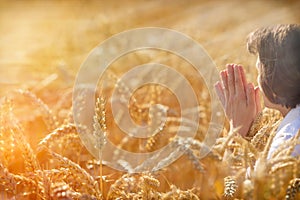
x: 239, y: 98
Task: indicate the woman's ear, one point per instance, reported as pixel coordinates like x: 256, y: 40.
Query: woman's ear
x: 258, y: 64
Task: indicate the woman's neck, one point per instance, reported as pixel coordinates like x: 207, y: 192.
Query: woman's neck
x: 284, y: 110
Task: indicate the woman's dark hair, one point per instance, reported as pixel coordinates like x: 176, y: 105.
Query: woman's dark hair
x: 278, y: 48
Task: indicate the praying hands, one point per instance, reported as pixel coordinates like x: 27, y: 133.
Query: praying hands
x: 240, y: 99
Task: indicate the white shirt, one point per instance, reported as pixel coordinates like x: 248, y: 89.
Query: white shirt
x: 287, y: 129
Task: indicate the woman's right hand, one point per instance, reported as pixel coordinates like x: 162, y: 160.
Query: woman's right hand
x: 240, y: 99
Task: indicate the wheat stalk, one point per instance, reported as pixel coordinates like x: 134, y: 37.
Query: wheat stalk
x: 270, y: 140
x: 279, y: 166
x: 287, y: 147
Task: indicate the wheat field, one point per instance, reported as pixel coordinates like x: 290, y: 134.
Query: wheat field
x: 42, y: 46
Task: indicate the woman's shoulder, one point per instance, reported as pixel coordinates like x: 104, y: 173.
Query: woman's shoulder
x: 290, y: 125
x: 288, y: 129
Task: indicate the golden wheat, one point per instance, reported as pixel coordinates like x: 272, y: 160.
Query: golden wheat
x: 51, y: 138
x: 230, y: 186
x: 87, y: 182
x: 49, y: 117
x: 293, y: 189
x: 62, y: 182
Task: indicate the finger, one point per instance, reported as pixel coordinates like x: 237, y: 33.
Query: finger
x: 251, y: 96
x: 243, y: 75
x: 220, y: 92
x: 239, y: 85
x: 224, y: 78
x: 231, y: 87
x: 257, y: 100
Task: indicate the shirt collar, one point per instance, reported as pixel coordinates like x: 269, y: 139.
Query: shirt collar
x: 291, y: 116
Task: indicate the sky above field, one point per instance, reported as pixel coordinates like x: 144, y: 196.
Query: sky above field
x: 56, y: 36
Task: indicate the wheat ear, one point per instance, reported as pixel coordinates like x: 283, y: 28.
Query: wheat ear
x: 29, y: 157
x: 11, y: 181
x: 49, y: 118
x: 56, y: 134
x: 270, y: 140
x: 293, y: 189
x: 100, y: 131
x: 230, y: 187
x: 91, y: 182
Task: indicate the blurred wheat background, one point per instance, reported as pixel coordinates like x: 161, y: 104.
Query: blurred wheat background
x: 42, y: 45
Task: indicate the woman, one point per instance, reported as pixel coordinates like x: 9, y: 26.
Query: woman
x: 278, y: 64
